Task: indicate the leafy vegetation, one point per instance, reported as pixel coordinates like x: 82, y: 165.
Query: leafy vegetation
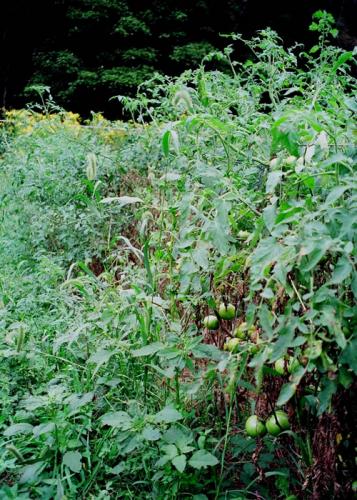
x: 133, y: 254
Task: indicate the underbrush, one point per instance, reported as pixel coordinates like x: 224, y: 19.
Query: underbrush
x: 228, y: 192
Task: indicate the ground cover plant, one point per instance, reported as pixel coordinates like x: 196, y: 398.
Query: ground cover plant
x: 177, y: 293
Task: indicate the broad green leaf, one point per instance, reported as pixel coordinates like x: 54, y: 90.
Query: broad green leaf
x: 200, y: 254
x: 349, y: 355
x: 177, y: 434
x: 162, y: 461
x: 78, y: 400
x: 119, y: 419
x: 34, y: 402
x: 179, y: 462
x: 286, y: 393
x: 100, y: 357
x: 170, y: 450
x: 120, y: 467
x: 325, y: 396
x: 202, y: 459
x: 314, y: 351
x: 30, y: 473
x: 168, y: 415
x: 44, y: 428
x: 285, y: 338
x: 319, y: 250
x: 148, y: 350
x: 342, y: 270
x: 151, y: 434
x: 73, y: 460
x: 274, y: 178
x: 15, y: 429
x: 335, y: 194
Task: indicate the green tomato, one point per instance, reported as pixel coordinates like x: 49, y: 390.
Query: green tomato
x: 232, y: 345
x: 227, y: 311
x: 211, y: 322
x: 279, y: 366
x: 274, y: 163
x: 243, y: 235
x: 241, y: 331
x: 253, y: 349
x: 293, y: 365
x: 255, y: 427
x: 253, y: 334
x: 290, y: 160
x: 279, y: 424
x: 314, y: 350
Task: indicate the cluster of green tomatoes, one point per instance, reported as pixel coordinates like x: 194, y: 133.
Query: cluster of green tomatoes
x: 241, y: 333
x: 254, y: 426
x: 276, y: 423
x: 225, y: 311
x: 246, y: 336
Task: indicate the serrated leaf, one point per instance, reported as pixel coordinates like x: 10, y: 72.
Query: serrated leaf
x: 342, y: 59
x: 72, y: 459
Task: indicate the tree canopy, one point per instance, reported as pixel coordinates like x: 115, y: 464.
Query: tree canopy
x: 86, y: 51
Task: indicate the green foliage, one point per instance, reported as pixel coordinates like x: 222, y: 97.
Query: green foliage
x: 191, y: 54
x: 118, y: 239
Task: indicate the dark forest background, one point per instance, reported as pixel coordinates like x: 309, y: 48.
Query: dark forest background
x: 89, y: 50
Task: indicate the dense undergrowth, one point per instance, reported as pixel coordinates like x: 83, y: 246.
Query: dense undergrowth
x: 117, y: 239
